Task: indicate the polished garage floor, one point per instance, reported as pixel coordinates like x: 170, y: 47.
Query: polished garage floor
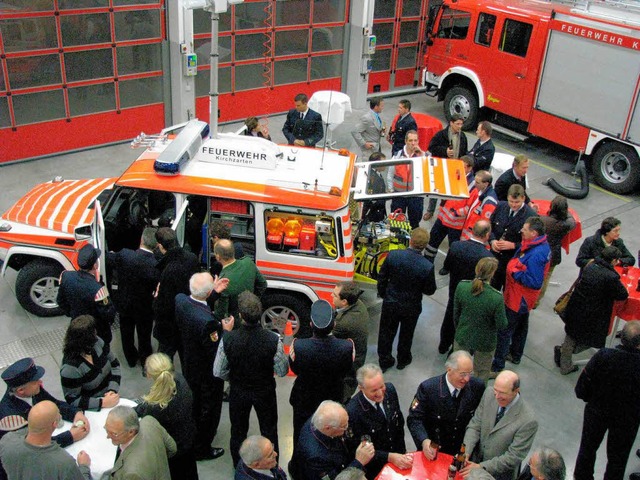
x: 559, y: 412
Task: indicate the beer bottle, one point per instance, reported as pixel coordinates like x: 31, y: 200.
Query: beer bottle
x: 451, y: 474
x: 460, y: 458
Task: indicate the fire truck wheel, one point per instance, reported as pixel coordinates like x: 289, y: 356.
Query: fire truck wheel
x: 37, y: 288
x: 462, y: 101
x: 280, y: 308
x: 616, y: 167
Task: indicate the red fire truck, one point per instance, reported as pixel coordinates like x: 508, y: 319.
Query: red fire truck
x: 566, y: 72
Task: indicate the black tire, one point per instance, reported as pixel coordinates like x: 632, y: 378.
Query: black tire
x: 616, y: 167
x: 464, y: 102
x: 37, y: 288
x: 280, y: 307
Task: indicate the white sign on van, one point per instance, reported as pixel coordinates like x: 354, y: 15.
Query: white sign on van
x: 239, y: 151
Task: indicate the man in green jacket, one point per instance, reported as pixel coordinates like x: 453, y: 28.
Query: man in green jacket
x: 352, y: 321
x: 243, y: 276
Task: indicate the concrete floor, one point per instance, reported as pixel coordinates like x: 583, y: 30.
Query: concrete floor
x: 551, y: 395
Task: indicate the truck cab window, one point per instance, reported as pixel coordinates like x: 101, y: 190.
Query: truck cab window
x: 454, y: 24
x: 515, y: 37
x: 484, y: 30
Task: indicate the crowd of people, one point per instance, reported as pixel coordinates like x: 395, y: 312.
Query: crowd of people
x: 347, y: 421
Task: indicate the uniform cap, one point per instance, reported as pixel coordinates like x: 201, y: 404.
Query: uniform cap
x: 321, y: 314
x: 88, y: 256
x: 22, y: 372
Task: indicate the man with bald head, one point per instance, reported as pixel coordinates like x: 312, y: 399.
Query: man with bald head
x: 444, y: 405
x: 36, y: 455
x: 321, y: 451
x: 501, y: 432
x: 243, y: 276
x: 201, y: 332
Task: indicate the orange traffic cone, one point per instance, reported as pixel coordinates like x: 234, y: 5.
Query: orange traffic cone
x: 287, y: 340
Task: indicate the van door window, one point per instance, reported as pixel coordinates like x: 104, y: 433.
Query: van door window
x: 238, y: 217
x: 454, y: 24
x: 484, y: 30
x: 515, y: 37
x: 301, y: 233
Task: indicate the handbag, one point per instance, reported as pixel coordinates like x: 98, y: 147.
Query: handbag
x: 563, y: 300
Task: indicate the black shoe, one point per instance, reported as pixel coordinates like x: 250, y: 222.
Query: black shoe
x: 443, y: 271
x: 402, y: 365
x: 509, y: 358
x: 556, y: 355
x: 638, y: 453
x: 386, y: 364
x: 571, y: 370
x: 442, y: 348
x: 133, y: 363
x: 634, y: 476
x: 212, y: 454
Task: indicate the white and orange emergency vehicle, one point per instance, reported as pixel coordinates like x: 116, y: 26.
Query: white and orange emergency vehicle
x: 288, y: 206
x: 568, y: 72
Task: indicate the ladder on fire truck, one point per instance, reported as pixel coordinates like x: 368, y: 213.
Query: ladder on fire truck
x: 623, y: 11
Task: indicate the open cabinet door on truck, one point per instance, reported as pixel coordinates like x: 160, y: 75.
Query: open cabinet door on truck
x: 98, y: 238
x: 179, y: 224
x: 428, y: 176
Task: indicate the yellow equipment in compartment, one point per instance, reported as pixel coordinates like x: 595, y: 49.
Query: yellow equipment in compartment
x: 373, y: 243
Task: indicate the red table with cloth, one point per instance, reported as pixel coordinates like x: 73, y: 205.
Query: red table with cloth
x: 422, y: 469
x: 428, y: 126
x: 628, y: 309
x: 574, y: 235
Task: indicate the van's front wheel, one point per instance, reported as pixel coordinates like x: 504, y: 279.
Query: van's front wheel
x: 37, y: 286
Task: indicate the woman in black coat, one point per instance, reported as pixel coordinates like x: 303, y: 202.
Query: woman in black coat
x: 588, y: 313
x: 557, y: 224
x: 170, y: 402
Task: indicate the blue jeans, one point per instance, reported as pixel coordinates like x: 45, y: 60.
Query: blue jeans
x: 511, y: 339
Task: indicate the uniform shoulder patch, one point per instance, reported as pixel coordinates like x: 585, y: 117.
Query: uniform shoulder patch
x: 214, y: 336
x: 102, y: 295
x: 415, y: 403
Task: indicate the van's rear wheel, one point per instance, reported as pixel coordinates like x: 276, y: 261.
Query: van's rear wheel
x: 37, y: 288
x: 280, y: 308
x: 462, y: 101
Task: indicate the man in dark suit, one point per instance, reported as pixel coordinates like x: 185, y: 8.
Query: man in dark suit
x: 403, y: 123
x: 515, y: 175
x: 370, y: 129
x: 461, y: 261
x: 81, y: 293
x: 483, y: 150
x: 404, y: 277
x: 322, y: 449
x: 137, y: 281
x: 502, y: 430
x: 444, y: 405
x: 375, y: 411
x: 610, y: 386
x: 303, y: 126
x: 321, y: 363
x: 506, y: 222
x: 24, y: 389
x: 201, y: 333
x: 176, y: 267
x: 450, y: 142
x: 258, y: 456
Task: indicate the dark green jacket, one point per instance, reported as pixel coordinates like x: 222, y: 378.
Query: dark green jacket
x: 478, y: 318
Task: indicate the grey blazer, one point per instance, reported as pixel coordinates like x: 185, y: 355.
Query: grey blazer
x: 502, y: 447
x: 146, y: 456
x: 367, y: 130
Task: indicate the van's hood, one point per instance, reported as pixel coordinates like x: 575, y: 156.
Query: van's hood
x: 60, y: 206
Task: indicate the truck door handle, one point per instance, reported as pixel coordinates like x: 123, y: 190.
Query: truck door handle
x: 519, y: 75
x: 462, y: 56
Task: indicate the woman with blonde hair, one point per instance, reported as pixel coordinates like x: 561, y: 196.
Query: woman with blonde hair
x: 478, y: 313
x: 170, y: 402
